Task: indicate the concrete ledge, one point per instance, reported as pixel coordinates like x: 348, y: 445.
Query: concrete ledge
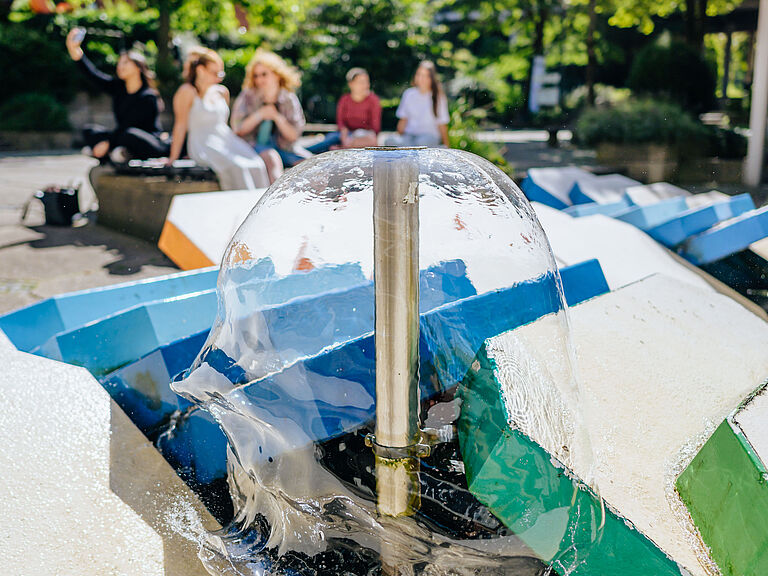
x: 24, y: 141
x: 725, y: 490
x: 138, y: 205
x: 551, y: 186
x: 655, y: 337
x: 728, y: 237
x: 607, y: 189
x: 84, y: 491
x: 32, y: 325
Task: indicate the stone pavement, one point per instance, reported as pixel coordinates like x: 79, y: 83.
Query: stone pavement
x: 38, y: 261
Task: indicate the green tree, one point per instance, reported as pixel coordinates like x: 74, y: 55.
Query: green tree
x: 386, y: 37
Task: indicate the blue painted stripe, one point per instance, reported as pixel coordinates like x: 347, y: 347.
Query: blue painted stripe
x: 536, y: 193
x: 650, y: 215
x: 107, y: 344
x: 727, y: 237
x: 697, y: 220
x: 333, y: 393
x: 291, y: 329
x: 579, y: 210
x: 32, y: 325
x: 583, y: 281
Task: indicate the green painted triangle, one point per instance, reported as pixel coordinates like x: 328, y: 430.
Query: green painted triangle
x: 560, y: 519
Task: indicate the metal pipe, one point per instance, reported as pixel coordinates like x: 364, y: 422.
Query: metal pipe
x: 753, y: 164
x: 396, y: 278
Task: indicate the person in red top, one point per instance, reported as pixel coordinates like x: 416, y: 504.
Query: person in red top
x: 358, y: 116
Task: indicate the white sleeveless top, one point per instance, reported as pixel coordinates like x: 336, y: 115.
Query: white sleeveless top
x: 212, y: 143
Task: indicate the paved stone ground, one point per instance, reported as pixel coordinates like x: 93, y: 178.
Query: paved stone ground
x: 38, y: 261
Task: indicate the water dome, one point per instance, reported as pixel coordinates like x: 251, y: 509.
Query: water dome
x: 362, y: 305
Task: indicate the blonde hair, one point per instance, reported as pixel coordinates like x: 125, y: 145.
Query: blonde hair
x: 289, y: 77
x: 198, y: 56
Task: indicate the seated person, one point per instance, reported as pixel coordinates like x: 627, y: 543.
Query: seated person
x: 423, y: 111
x: 358, y: 116
x: 201, y: 109
x: 135, y: 102
x: 267, y: 112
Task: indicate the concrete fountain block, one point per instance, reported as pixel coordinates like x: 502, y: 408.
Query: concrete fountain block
x: 725, y: 489
x: 289, y: 324
x: 652, y: 193
x: 654, y: 382
x: 696, y: 220
x: 607, y: 189
x: 32, y: 325
x: 650, y: 215
x: 625, y: 253
x: 579, y: 210
x: 84, y: 492
x: 5, y: 342
x: 728, y: 237
x: 108, y: 343
x: 330, y: 394
x: 192, y: 238
x: 550, y: 186
x: 116, y: 340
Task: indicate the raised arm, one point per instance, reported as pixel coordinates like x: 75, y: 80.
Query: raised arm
x: 182, y: 104
x: 104, y: 81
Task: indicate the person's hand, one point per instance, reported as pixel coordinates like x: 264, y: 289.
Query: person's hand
x: 269, y: 112
x: 73, y: 45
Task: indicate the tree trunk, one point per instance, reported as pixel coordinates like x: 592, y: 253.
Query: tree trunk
x: 166, y: 71
x: 695, y: 13
x: 727, y: 64
x: 690, y: 21
x: 591, y: 58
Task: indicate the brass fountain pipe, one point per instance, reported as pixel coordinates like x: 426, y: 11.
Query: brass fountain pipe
x: 396, y: 442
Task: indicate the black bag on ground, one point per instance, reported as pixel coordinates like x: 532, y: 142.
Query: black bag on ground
x: 60, y: 204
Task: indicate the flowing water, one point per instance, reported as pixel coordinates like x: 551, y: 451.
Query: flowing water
x: 292, y: 382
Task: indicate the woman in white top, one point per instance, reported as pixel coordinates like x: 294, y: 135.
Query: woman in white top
x: 423, y: 111
x: 201, y: 110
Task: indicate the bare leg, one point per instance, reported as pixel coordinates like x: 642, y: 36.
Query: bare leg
x: 274, y: 164
x: 100, y: 150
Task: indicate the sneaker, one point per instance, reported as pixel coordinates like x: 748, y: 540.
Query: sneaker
x: 119, y: 155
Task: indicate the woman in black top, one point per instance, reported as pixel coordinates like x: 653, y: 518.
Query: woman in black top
x: 135, y: 102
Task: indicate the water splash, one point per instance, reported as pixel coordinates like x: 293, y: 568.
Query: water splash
x: 287, y: 372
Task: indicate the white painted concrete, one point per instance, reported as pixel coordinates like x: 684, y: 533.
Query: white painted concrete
x: 625, y: 253
x: 83, y: 491
x: 706, y: 198
x: 210, y: 219
x: 753, y: 421
x: 760, y: 248
x: 559, y: 181
x: 660, y: 364
x: 606, y: 189
x: 5, y: 343
x: 652, y: 193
